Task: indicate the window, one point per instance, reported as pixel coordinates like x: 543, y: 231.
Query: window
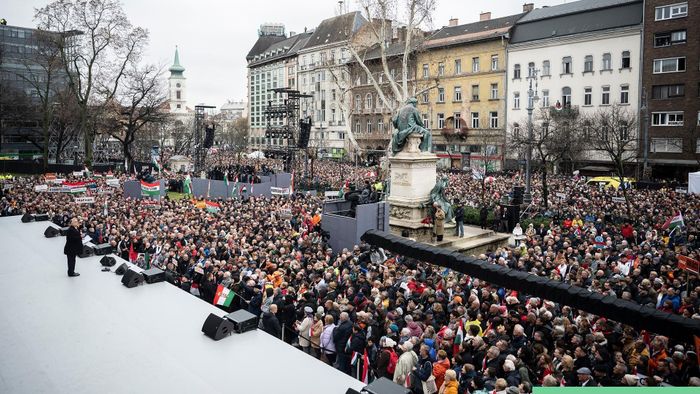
x: 441, y: 120
x: 667, y: 118
x: 358, y: 102
x: 516, y: 100
x: 588, y: 96
x: 566, y: 65
x: 566, y: 96
x: 458, y: 120
x: 475, y: 92
x: 368, y: 101
x: 607, y: 62
x: 475, y: 120
x: 626, y: 59
x: 545, y: 68
x: 624, y: 94
x: 441, y: 95
x: 605, y: 99
x: 358, y: 130
x: 458, y: 66
x: 493, y: 120
x: 426, y: 71
x: 369, y: 126
x: 441, y: 69
x: 545, y: 98
x: 177, y: 94
x: 516, y: 71
x: 672, y: 11
x: 475, y: 64
x: 458, y: 93
x: 494, y: 91
x: 670, y: 38
x: 670, y: 65
x: 666, y: 145
x: 494, y: 62
x: 624, y: 131
x: 516, y: 131
x: 531, y: 69
x: 660, y: 92
x: 426, y: 121
x: 425, y: 97
x: 588, y: 64
x: 179, y: 106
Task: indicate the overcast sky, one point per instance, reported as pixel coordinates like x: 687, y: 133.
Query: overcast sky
x: 215, y: 35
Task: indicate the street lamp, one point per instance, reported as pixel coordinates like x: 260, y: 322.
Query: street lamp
x: 645, y: 126
x: 532, y: 97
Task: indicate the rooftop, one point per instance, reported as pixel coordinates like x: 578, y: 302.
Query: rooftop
x: 471, y: 32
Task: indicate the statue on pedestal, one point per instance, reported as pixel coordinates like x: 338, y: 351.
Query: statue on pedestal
x: 408, y: 121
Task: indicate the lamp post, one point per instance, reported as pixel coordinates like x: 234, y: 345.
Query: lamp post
x: 645, y: 119
x: 531, y: 98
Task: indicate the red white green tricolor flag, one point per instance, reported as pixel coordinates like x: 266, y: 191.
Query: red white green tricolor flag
x: 150, y: 189
x: 673, y: 222
x: 223, y: 296
x: 212, y: 206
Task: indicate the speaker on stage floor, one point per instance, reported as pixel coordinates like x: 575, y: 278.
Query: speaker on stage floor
x: 132, y: 279
x: 41, y: 217
x: 108, y: 261
x: 121, y: 270
x: 26, y: 218
x: 243, y: 320
x: 103, y: 249
x: 51, y: 232
x: 154, y: 275
x: 216, y: 327
x: 385, y: 386
x: 88, y: 251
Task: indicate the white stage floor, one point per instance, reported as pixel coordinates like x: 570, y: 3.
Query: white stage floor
x: 91, y: 334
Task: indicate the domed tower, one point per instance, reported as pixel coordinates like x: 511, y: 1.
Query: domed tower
x: 177, y: 96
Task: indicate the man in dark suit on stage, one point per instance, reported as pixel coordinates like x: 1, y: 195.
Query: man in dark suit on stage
x: 74, y: 246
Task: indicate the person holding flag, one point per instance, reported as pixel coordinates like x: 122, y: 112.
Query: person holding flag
x: 187, y: 185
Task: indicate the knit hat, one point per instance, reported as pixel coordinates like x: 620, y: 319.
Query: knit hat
x: 394, y: 328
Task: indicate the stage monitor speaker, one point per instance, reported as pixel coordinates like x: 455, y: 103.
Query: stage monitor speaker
x: 103, y: 249
x: 243, y: 320
x: 121, y: 270
x: 108, y: 261
x: 385, y: 386
x: 41, y: 217
x: 26, y: 218
x: 88, y: 251
x: 132, y: 279
x: 518, y: 192
x: 216, y: 327
x: 352, y: 391
x: 512, y: 215
x: 51, y: 232
x: 154, y: 275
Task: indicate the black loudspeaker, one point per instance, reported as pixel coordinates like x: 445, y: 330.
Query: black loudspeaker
x: 518, y: 192
x: 512, y: 215
x: 103, y: 249
x: 88, y: 251
x: 352, y: 391
x: 243, y: 320
x: 26, y: 218
x: 121, y: 270
x: 51, y: 232
x: 108, y: 261
x: 216, y: 327
x: 132, y: 279
x: 41, y: 217
x: 154, y: 275
x: 384, y: 386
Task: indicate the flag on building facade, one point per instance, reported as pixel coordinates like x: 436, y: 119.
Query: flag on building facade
x: 150, y: 189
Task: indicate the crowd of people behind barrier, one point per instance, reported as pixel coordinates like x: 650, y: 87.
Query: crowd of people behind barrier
x: 420, y: 325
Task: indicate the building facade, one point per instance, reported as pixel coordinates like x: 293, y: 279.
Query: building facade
x: 177, y: 83
x: 460, y: 73
x: 586, y: 55
x: 671, y: 83
x: 322, y: 73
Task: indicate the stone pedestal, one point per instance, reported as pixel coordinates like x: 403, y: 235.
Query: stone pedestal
x: 413, y: 175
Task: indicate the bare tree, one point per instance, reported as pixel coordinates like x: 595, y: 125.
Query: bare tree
x: 99, y: 45
x: 556, y: 136
x: 613, y: 132
x: 137, y: 103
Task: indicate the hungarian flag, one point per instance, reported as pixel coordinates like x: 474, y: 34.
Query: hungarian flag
x: 226, y: 182
x: 459, y: 337
x: 132, y: 253
x: 251, y: 186
x: 212, y: 207
x: 365, y: 368
x: 187, y: 185
x: 150, y: 189
x: 75, y: 187
x: 291, y: 185
x: 223, y: 296
x: 673, y: 222
x: 355, y: 358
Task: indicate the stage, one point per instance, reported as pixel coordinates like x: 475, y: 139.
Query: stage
x: 91, y: 334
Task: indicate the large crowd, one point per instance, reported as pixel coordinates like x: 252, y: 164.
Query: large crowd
x: 370, y: 313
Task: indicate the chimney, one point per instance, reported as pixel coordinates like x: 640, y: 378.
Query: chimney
x: 454, y: 22
x: 292, y: 33
x: 527, y: 7
x: 485, y: 16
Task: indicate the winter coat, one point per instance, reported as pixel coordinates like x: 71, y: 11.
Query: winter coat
x: 74, y: 244
x: 440, y: 222
x: 404, y: 366
x: 450, y: 387
x: 439, y: 369
x: 303, y: 329
x: 316, y: 331
x: 271, y: 325
x: 341, y: 335
x: 326, y: 339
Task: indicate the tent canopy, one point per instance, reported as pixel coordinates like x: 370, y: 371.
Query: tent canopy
x: 694, y: 182
x: 256, y: 155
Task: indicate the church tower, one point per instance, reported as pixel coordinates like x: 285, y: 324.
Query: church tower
x: 177, y: 97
